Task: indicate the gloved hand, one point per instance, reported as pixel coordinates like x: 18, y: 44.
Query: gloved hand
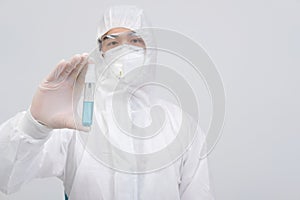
x: 57, y: 96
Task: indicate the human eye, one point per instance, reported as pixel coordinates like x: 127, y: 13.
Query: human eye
x: 137, y: 41
x: 112, y: 43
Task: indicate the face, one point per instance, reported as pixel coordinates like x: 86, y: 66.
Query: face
x: 118, y: 36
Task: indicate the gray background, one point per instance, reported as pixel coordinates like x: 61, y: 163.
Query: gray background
x: 254, y: 44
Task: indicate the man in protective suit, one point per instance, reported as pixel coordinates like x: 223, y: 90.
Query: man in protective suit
x: 46, y: 141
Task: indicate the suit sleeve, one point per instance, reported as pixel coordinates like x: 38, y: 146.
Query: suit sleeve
x: 195, y: 180
x: 30, y: 150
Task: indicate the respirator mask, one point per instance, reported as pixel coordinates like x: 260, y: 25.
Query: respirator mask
x: 123, y: 59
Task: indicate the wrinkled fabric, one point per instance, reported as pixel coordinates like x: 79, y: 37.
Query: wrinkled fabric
x: 60, y: 153
x: 130, y: 17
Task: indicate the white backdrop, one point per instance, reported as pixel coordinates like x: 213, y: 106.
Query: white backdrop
x: 255, y: 45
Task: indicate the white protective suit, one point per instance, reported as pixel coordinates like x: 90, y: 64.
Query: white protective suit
x: 30, y: 150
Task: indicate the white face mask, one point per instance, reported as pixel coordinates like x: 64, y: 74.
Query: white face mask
x: 123, y: 59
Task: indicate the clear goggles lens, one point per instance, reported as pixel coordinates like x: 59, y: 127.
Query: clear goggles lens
x: 111, y: 41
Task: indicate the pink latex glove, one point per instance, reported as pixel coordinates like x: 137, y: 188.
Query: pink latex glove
x: 55, y: 101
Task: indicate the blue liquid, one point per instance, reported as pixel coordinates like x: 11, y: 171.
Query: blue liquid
x: 87, y: 114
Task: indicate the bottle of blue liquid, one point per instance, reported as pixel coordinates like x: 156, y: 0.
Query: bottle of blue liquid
x: 88, y: 101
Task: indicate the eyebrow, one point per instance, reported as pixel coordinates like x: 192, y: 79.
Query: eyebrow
x: 114, y: 36
x: 109, y: 37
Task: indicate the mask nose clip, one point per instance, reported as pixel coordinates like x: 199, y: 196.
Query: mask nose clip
x: 124, y: 59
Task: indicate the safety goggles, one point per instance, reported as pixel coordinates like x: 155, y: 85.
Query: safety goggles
x: 111, y: 41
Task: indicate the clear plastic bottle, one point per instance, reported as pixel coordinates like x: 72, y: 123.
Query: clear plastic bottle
x: 89, y: 89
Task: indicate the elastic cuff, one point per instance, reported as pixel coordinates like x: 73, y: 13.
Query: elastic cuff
x: 33, y: 128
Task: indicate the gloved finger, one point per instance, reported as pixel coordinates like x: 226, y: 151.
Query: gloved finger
x: 56, y: 71
x: 78, y: 68
x: 63, y: 69
x: 74, y: 61
x: 53, y: 81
